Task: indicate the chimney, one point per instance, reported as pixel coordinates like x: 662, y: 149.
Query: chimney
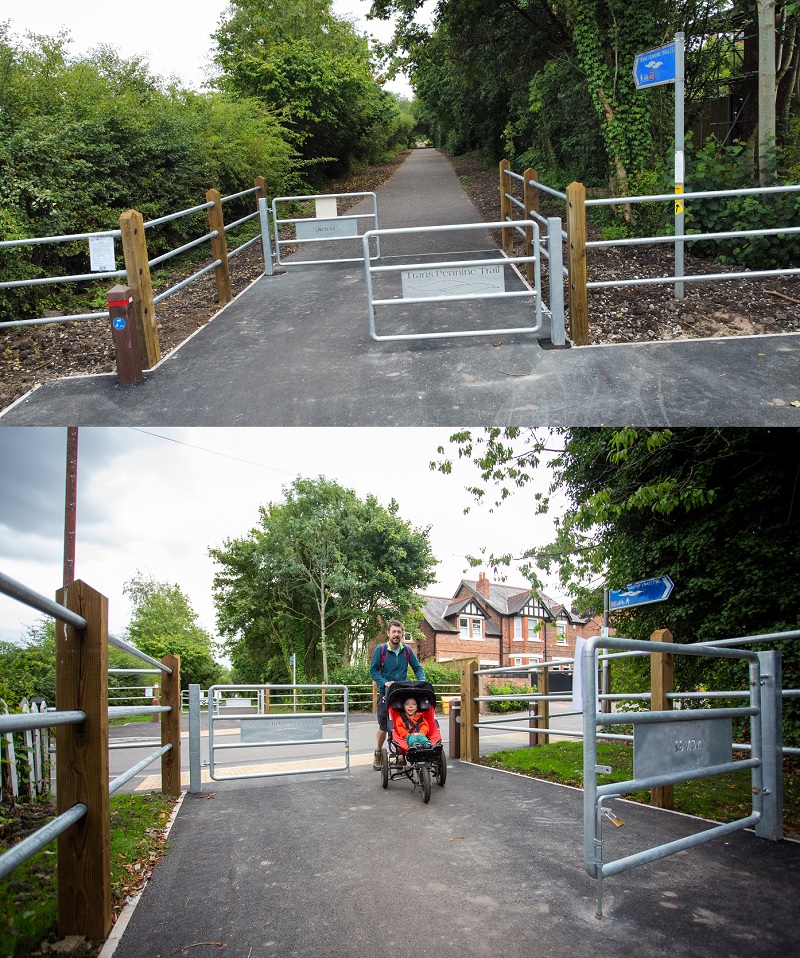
x: 484, y: 585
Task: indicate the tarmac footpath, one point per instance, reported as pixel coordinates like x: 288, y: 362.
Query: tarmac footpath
x: 294, y: 349
x: 334, y: 866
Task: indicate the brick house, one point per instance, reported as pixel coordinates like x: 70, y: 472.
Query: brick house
x: 501, y: 624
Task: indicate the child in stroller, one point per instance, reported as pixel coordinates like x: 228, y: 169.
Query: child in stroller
x: 414, y: 748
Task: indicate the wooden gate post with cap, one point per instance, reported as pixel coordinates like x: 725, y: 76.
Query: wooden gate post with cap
x: 219, y: 247
x: 137, y: 267
x: 123, y: 332
x: 662, y: 681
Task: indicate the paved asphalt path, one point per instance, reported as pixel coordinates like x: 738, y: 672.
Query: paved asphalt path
x: 294, y: 350
x: 334, y: 866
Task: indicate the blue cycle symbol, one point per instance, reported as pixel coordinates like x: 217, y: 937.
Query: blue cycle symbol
x: 119, y: 322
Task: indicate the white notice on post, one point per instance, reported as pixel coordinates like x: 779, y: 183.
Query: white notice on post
x: 102, y: 258
x: 464, y: 281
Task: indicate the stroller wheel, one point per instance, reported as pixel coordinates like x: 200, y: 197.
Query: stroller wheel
x: 425, y: 781
x: 441, y: 771
x: 384, y: 768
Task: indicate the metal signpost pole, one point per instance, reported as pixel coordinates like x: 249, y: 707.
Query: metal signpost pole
x: 679, y: 162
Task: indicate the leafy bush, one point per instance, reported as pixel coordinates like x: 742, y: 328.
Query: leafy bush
x: 510, y: 705
x: 718, y: 167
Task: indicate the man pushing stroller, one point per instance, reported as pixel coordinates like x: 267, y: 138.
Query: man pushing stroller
x: 390, y: 663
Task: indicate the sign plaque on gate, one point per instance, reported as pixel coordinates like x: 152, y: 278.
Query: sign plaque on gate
x: 285, y: 729
x: 665, y: 748
x: 326, y: 228
x: 453, y: 281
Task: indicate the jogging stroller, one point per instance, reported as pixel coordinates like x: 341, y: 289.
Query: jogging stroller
x: 415, y: 762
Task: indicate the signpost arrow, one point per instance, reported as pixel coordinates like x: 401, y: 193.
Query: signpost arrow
x: 641, y: 593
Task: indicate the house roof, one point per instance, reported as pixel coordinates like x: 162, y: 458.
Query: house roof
x: 437, y: 611
x: 508, y: 599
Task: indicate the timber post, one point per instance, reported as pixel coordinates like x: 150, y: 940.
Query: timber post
x: 84, y: 851
x: 507, y: 240
x: 137, y: 267
x: 470, y: 712
x: 530, y: 197
x: 576, y: 235
x: 219, y: 247
x: 171, y: 726
x: 662, y: 681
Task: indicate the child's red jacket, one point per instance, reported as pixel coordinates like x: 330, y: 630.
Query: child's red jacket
x: 404, y: 725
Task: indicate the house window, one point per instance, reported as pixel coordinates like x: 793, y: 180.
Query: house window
x: 517, y: 629
x: 561, y: 627
x: 470, y: 628
x: 533, y: 633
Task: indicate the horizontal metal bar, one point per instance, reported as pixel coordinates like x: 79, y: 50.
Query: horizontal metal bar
x: 68, y: 238
x: 296, y: 771
x: 78, y: 317
x: 515, y: 201
x: 34, y: 843
x: 402, y: 230
x: 129, y: 711
x: 16, y: 590
x: 178, y: 215
x: 182, y: 249
x: 708, y: 194
x: 240, y: 249
x: 318, y: 196
x: 136, y: 743
x: 312, y: 219
x: 658, y: 781
x: 684, y: 715
x: 750, y: 639
x: 703, y: 278
x: 23, y: 721
x: 132, y: 650
x: 50, y: 280
x: 235, y: 196
x: 451, y: 264
x: 298, y: 741
x: 186, y: 282
x: 689, y: 841
x: 514, y: 176
x: 280, y: 716
x: 244, y: 219
x: 120, y: 780
x: 455, y: 298
x: 688, y: 237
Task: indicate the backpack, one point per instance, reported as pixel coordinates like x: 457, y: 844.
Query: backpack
x: 385, y: 651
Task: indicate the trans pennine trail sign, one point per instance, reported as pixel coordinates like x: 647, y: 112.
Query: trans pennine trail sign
x: 641, y: 593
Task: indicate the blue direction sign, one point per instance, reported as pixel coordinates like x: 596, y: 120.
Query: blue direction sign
x: 654, y: 67
x: 640, y: 593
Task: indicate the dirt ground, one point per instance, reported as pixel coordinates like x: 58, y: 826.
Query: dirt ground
x: 37, y: 354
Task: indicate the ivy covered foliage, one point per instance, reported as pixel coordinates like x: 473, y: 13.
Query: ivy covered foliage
x: 715, y: 509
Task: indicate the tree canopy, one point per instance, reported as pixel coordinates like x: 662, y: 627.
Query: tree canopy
x: 163, y: 622
x: 717, y: 510
x: 316, y: 578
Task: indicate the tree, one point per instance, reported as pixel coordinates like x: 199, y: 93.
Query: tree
x: 716, y: 509
x: 316, y: 578
x: 164, y: 622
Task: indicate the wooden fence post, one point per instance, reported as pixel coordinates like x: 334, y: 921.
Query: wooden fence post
x: 543, y: 721
x: 530, y: 197
x: 662, y: 681
x: 84, y: 858
x: 134, y: 248
x: 261, y: 184
x: 507, y: 238
x: 171, y: 726
x: 219, y: 247
x: 576, y: 235
x: 470, y: 712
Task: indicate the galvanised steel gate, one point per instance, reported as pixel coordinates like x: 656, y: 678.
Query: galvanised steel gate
x: 452, y: 280
x: 325, y: 226
x: 293, y: 723
x: 678, y: 746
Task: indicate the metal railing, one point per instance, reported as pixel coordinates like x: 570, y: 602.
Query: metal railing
x: 214, y: 234
x: 84, y: 860
x: 327, y: 226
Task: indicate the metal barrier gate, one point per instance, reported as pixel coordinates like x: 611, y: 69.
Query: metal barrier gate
x: 326, y: 226
x: 443, y: 282
x: 266, y: 728
x: 678, y: 746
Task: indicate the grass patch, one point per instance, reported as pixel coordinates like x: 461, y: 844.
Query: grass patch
x: 29, y: 895
x: 721, y: 798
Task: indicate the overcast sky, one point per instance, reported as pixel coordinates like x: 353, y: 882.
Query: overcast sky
x: 173, y: 37
x: 154, y: 501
